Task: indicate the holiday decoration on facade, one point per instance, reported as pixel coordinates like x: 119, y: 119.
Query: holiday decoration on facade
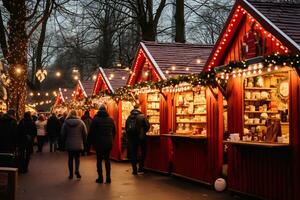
x: 41, y: 75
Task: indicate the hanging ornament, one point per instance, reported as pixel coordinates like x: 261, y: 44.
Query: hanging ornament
x: 41, y: 74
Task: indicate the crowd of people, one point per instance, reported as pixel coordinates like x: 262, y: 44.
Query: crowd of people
x: 69, y: 132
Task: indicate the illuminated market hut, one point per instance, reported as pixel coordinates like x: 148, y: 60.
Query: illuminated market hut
x: 108, y: 81
x: 63, y: 98
x: 184, y: 138
x: 256, y: 58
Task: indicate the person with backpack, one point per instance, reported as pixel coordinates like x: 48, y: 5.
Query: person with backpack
x: 27, y: 131
x: 137, y: 125
x: 101, y: 137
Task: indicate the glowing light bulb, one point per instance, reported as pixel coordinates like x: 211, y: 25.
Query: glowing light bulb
x: 58, y: 74
x: 94, y: 77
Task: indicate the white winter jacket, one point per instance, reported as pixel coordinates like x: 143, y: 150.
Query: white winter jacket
x: 41, y: 127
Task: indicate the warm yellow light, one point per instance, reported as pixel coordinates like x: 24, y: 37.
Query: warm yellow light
x: 127, y: 68
x: 65, y: 90
x: 47, y: 94
x: 39, y: 94
x: 31, y: 94
x: 187, y: 69
x: 198, y: 61
x: 94, y: 77
x: 58, y: 74
x: 18, y: 70
x: 173, y: 68
x: 119, y: 65
x: 123, y: 78
x: 76, y: 77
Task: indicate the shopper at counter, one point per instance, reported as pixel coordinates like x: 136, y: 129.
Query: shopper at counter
x: 137, y: 125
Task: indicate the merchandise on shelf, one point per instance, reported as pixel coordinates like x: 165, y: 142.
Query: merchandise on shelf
x: 266, y: 108
x: 190, y: 113
x: 127, y: 107
x: 153, y: 114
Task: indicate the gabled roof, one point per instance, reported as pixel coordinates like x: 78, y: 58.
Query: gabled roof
x: 116, y: 77
x: 277, y: 19
x: 167, y: 55
x: 111, y: 79
x: 65, y: 94
x: 87, y: 86
x: 283, y: 14
x: 171, y: 59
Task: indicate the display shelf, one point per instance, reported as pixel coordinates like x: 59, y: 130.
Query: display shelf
x: 190, y: 114
x: 199, y: 104
x: 186, y: 136
x: 190, y: 122
x: 259, y: 88
x: 284, y: 123
x: 255, y: 124
x: 274, y: 112
x: 257, y: 144
x: 156, y: 101
x: 257, y: 100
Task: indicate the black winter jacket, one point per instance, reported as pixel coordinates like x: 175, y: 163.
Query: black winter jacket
x: 142, y: 125
x: 26, y: 132
x: 102, y: 132
x: 53, y: 127
x: 8, y: 134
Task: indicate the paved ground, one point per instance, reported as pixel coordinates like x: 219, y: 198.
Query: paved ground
x: 47, y: 180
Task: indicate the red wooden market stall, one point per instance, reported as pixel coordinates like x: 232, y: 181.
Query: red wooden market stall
x: 82, y: 90
x: 171, y: 148
x: 63, y: 96
x: 110, y: 80
x: 263, y: 97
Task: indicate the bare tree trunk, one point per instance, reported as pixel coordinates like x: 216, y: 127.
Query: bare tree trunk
x: 39, y: 51
x: 17, y: 57
x: 148, y: 32
x: 179, y: 22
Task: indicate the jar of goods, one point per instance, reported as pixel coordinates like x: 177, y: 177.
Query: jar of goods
x: 264, y: 95
x: 259, y: 81
x: 250, y: 82
x: 247, y: 95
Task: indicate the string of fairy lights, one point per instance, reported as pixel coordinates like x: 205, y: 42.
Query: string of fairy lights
x: 213, y: 78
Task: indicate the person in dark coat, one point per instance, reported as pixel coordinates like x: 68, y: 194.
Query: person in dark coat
x: 137, y: 125
x: 101, y: 137
x: 8, y: 133
x: 86, y: 118
x: 61, y: 119
x: 74, y: 133
x: 53, y: 131
x: 27, y: 131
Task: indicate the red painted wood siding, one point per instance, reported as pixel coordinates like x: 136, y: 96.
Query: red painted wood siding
x: 158, y: 157
x: 234, y: 50
x: 113, y: 112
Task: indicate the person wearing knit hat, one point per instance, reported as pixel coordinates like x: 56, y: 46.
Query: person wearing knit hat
x: 102, y: 107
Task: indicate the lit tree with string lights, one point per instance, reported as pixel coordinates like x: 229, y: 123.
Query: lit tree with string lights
x: 19, y: 19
